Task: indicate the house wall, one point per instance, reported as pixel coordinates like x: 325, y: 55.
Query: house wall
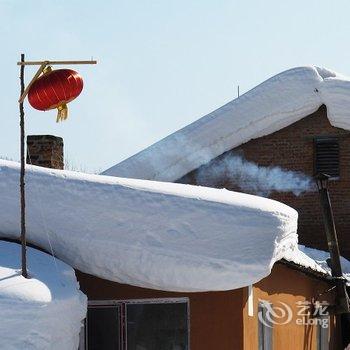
x: 290, y: 287
x: 220, y: 321
x: 292, y: 148
x: 216, y: 320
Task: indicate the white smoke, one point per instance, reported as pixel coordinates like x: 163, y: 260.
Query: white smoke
x: 253, y: 178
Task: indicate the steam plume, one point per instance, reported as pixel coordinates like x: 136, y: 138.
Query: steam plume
x: 253, y: 178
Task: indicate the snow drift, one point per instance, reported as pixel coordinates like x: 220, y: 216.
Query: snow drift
x: 151, y: 234
x: 43, y: 312
x: 276, y: 103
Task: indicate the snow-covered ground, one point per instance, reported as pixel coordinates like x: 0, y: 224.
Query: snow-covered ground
x: 269, y: 107
x: 150, y: 234
x: 43, y: 312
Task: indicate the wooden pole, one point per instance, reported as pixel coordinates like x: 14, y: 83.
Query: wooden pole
x: 22, y: 183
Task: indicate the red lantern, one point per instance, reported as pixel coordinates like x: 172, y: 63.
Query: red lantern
x: 54, y: 89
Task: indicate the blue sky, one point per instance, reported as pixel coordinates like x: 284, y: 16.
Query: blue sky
x: 161, y: 64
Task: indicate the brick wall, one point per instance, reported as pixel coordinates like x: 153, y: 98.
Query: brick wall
x: 45, y: 151
x: 292, y: 148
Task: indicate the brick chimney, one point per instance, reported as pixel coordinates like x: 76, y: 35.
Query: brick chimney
x: 45, y: 151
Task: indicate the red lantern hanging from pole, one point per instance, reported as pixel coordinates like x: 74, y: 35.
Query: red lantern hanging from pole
x: 55, y: 89
x: 54, y: 92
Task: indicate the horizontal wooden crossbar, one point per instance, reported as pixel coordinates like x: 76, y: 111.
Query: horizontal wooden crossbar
x: 39, y: 63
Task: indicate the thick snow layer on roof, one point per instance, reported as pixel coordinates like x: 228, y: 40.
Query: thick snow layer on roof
x: 150, y: 234
x: 43, y: 312
x: 299, y: 255
x: 316, y: 260
x: 269, y: 107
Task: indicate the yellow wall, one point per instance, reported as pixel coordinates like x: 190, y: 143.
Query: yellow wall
x: 288, y: 286
x: 220, y: 321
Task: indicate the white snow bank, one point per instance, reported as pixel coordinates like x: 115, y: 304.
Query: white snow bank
x: 157, y: 235
x: 43, y: 312
x: 269, y: 107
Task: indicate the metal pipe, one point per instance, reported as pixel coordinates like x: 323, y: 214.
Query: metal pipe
x: 333, y: 247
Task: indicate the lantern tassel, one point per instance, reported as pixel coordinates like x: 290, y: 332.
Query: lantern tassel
x: 62, y: 113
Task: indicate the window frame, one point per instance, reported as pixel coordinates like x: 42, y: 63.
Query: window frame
x: 121, y: 304
x: 321, y: 332
x: 262, y: 340
x: 119, y: 308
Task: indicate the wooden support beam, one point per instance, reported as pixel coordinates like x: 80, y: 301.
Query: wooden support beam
x: 39, y: 71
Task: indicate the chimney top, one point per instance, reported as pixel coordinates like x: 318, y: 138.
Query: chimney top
x: 45, y: 151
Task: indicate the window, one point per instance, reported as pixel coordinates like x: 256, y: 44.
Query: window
x: 265, y: 326
x: 327, y: 156
x: 103, y: 327
x: 137, y: 325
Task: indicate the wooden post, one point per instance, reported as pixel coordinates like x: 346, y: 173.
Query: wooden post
x: 22, y: 183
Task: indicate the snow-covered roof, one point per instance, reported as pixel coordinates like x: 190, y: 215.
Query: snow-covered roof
x: 269, y: 107
x: 43, y: 312
x: 315, y: 260
x: 151, y: 234
x: 321, y: 258
x: 172, y: 236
